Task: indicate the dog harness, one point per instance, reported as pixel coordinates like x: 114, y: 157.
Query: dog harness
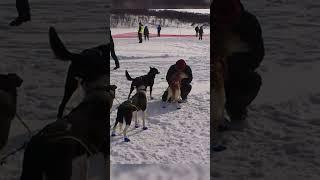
x: 129, y: 104
x: 84, y: 145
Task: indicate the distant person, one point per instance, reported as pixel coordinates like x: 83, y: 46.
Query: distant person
x: 200, y: 33
x: 140, y: 31
x: 179, y: 66
x: 197, y: 30
x: 23, y: 9
x: 159, y: 29
x: 113, y: 54
x: 146, y: 33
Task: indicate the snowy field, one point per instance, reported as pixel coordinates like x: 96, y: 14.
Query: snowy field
x: 281, y: 138
x: 25, y: 50
x: 160, y: 172
x: 174, y: 136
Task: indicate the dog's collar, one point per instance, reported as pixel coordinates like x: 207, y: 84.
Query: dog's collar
x: 152, y: 74
x: 142, y: 89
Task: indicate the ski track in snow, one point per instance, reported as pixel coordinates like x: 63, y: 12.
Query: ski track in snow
x: 174, y: 136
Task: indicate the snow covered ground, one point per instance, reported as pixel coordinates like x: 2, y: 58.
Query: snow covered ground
x: 281, y: 138
x: 282, y: 134
x: 174, y: 136
x: 160, y: 172
x: 25, y: 50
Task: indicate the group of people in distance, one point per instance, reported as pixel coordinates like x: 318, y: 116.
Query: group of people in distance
x: 199, y: 32
x: 143, y: 30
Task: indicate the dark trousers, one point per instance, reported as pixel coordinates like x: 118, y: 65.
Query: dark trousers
x: 185, y: 90
x: 115, y: 58
x: 140, y: 37
x: 158, y: 33
x: 200, y: 36
x: 241, y: 89
x: 146, y: 36
x: 23, y: 7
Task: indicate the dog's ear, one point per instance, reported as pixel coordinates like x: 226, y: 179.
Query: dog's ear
x: 15, y: 79
x: 79, y: 79
x: 111, y: 87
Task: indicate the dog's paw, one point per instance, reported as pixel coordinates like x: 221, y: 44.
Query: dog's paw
x: 126, y: 139
x: 113, y: 134
x: 136, y: 126
x: 144, y: 128
x: 151, y: 98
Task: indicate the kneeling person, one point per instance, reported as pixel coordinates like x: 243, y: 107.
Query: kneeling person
x: 179, y: 67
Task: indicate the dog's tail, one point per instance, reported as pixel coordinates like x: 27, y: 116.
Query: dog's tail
x: 58, y: 48
x: 128, y: 76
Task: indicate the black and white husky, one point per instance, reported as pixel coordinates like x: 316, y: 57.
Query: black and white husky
x: 65, y: 145
x: 62, y: 149
x: 83, y: 64
x: 129, y: 109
